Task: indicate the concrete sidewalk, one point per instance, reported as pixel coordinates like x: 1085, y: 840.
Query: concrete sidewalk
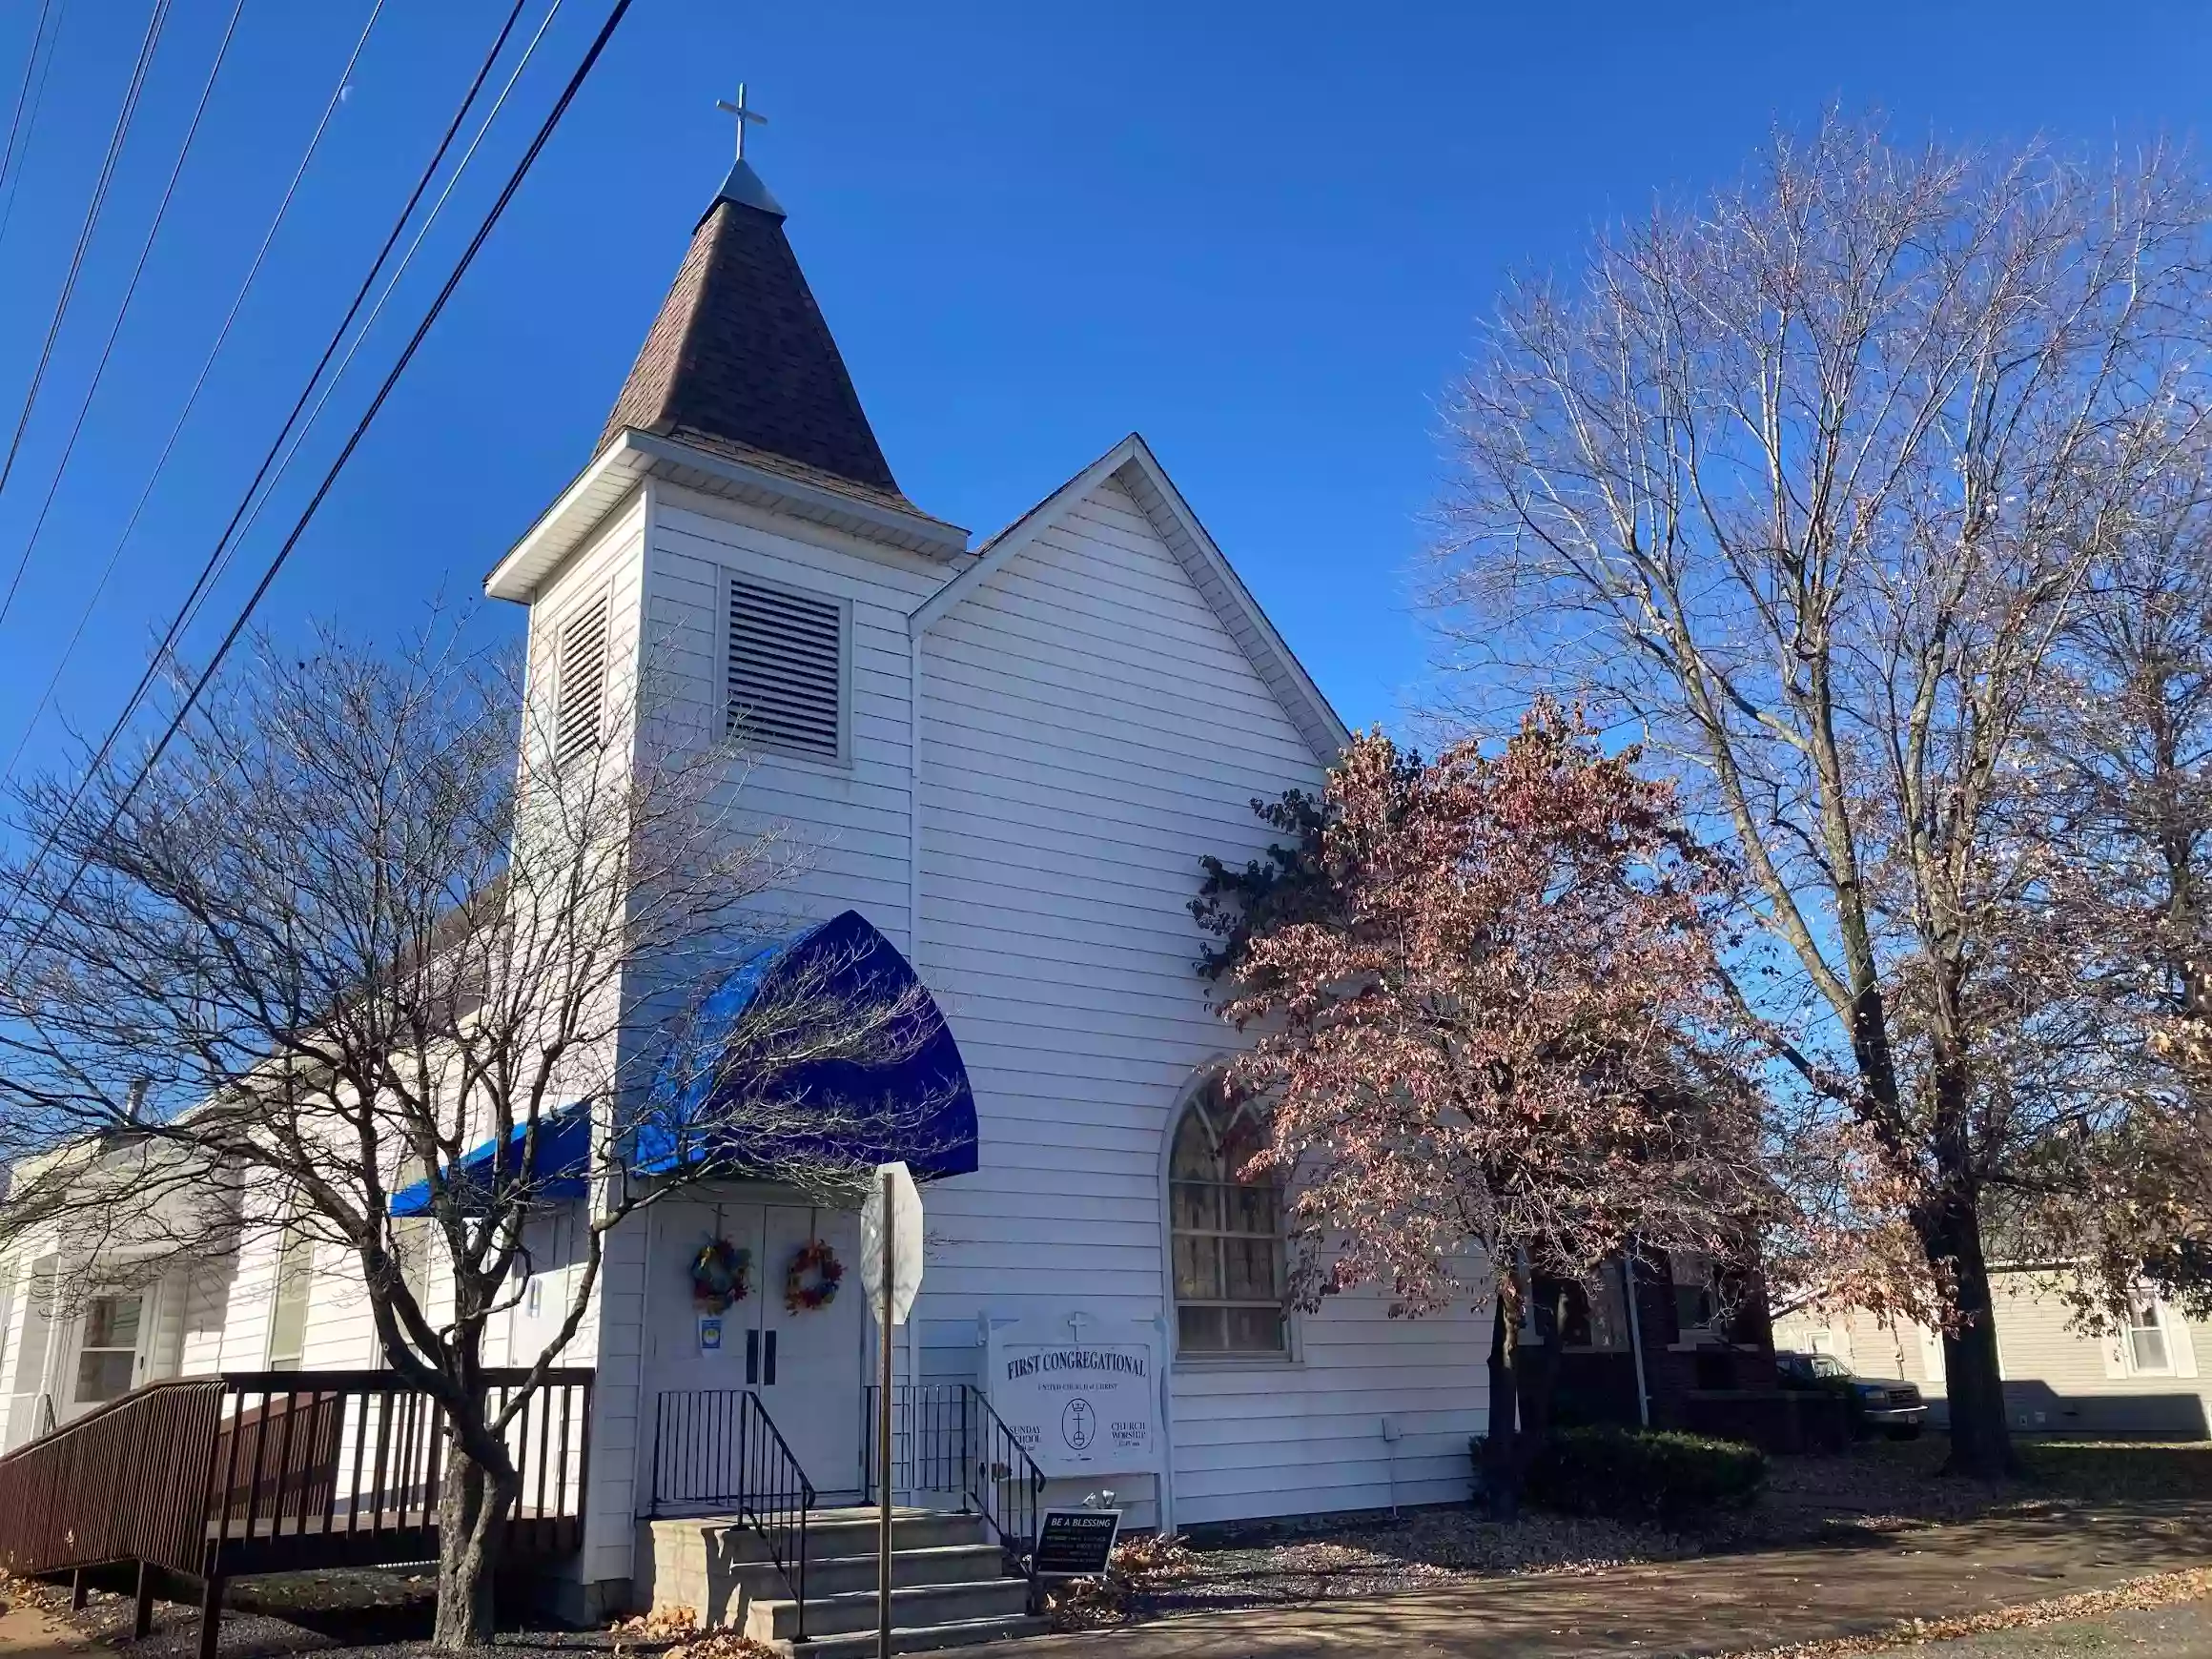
x: 1719, y: 1604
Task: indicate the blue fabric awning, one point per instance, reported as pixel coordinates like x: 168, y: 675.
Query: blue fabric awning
x: 558, y: 1164
x: 713, y: 1106
x: 716, y: 1108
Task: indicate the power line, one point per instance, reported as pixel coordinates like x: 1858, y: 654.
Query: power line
x: 31, y: 121
x: 218, y: 557
x: 391, y: 286
x: 122, y: 127
x: 29, y: 63
x: 191, y: 401
x: 123, y: 310
x: 330, y: 480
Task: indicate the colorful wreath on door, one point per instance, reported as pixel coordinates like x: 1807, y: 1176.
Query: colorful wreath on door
x: 721, y: 1274
x: 812, y: 1283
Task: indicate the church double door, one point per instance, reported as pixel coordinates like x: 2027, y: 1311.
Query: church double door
x: 803, y: 1362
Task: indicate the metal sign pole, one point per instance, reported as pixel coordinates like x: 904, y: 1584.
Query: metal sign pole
x: 883, y: 1444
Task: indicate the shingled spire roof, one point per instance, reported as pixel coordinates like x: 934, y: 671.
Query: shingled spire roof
x: 740, y: 362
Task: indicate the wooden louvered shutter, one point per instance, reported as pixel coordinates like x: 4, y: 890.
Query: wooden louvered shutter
x: 787, y: 669
x: 580, y: 709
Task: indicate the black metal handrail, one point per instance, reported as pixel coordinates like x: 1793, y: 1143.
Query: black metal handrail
x: 946, y: 1438
x: 718, y: 1449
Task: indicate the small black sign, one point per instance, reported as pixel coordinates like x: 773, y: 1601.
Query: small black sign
x: 1077, y: 1541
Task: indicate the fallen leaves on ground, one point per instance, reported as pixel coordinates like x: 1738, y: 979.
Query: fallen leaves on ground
x: 724, y: 1644
x: 661, y: 1625
x: 1316, y: 1561
x: 2156, y: 1590
x: 1138, y: 1565
x: 1154, y: 1558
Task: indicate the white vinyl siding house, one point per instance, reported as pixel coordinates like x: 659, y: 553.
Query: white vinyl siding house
x: 2059, y: 1377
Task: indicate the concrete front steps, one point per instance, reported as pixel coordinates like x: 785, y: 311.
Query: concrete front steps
x: 950, y: 1585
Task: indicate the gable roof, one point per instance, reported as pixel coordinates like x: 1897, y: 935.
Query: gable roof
x: 740, y: 362
x: 1131, y: 465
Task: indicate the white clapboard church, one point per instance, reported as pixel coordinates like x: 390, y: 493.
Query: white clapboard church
x: 1007, y: 758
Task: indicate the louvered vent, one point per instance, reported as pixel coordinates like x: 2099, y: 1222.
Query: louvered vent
x: 785, y: 675
x: 583, y: 683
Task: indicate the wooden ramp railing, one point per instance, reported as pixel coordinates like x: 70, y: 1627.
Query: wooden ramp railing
x: 199, y: 1479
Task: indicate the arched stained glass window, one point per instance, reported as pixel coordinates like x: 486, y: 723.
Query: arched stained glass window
x: 1227, y: 1235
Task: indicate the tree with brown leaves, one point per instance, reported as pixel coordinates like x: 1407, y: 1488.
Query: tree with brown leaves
x: 1491, y: 1040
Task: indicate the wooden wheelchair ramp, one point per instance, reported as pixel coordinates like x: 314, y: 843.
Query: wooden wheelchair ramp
x: 199, y: 1479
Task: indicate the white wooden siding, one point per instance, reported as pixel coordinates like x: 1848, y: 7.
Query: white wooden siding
x: 1089, y: 730
x: 848, y: 817
x: 207, y: 1296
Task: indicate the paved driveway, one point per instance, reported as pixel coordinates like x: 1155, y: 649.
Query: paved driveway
x: 1714, y: 1604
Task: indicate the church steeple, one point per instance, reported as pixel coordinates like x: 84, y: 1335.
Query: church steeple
x: 739, y: 360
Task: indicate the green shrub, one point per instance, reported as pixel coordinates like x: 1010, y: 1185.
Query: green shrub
x: 1642, y: 1474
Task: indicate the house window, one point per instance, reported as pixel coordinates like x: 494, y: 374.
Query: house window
x: 2147, y: 1349
x: 108, y: 1358
x: 579, y: 701
x: 1696, y: 1308
x: 1594, y: 1315
x: 787, y: 670
x: 288, y: 1318
x: 1226, y: 1228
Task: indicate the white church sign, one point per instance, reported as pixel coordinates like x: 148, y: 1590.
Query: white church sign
x: 1079, y: 1404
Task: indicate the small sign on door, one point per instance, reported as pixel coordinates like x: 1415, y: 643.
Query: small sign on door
x: 711, y: 1333
x: 1076, y: 1541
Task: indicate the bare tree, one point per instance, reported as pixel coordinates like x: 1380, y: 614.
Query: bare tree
x: 2122, y: 759
x: 339, y: 940
x: 1805, y: 481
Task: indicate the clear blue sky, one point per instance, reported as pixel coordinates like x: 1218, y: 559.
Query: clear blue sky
x: 1262, y: 234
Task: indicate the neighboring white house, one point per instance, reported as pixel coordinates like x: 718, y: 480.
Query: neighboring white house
x: 1009, y: 759
x: 2059, y: 1378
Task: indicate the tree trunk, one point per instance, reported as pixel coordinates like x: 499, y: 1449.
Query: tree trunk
x: 1536, y: 1378
x: 1981, y: 1442
x: 1501, y: 1467
x: 472, y: 1516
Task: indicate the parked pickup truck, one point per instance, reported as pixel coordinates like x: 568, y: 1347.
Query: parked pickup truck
x: 1893, y: 1407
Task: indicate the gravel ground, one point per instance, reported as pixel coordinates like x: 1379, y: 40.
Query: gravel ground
x: 1877, y: 1490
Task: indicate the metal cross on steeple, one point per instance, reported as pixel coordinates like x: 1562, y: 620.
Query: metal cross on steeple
x: 744, y: 117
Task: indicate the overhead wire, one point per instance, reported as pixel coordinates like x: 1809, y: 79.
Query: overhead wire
x: 391, y: 285
x: 192, y: 398
x: 29, y: 63
x: 30, y: 122
x: 330, y: 478
x: 123, y: 309
x: 155, y: 19
x: 218, y: 558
